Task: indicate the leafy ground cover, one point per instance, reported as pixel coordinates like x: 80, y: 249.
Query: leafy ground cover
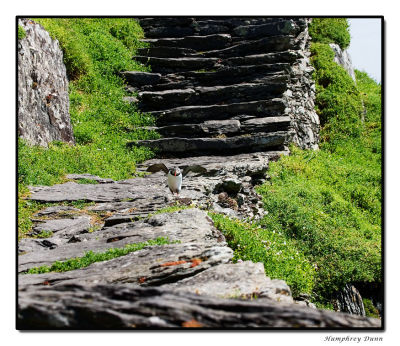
x: 328, y: 202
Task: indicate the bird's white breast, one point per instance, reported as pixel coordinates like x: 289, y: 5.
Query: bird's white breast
x: 175, y: 182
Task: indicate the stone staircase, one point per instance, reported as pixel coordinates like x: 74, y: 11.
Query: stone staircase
x: 221, y: 84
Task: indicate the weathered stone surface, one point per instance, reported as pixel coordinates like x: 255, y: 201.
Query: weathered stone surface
x: 43, y: 101
x: 259, y: 59
x: 138, y: 78
x: 194, y: 114
x: 263, y: 30
x: 64, y: 227
x: 166, y: 52
x: 342, y: 57
x: 349, y: 300
x: 183, y: 63
x: 90, y: 177
x: 226, y: 281
x: 57, y: 210
x: 124, y: 306
x: 199, y: 43
x: 176, y: 145
x: 152, y: 266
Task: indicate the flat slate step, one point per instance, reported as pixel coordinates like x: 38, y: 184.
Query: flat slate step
x: 197, y: 114
x: 138, y: 78
x: 228, y: 127
x: 165, y: 21
x: 287, y: 56
x: 183, y: 63
x: 188, y: 146
x: 152, y: 266
x: 198, y: 43
x: 283, y: 27
x: 223, y: 77
x: 261, y: 46
x: 158, y: 100
x: 167, y: 52
x: 263, y: 73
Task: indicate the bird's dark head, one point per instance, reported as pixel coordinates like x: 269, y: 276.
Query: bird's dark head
x: 175, y: 171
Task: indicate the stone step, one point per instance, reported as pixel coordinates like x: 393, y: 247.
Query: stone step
x: 196, y: 114
x: 228, y: 127
x: 225, y: 76
x: 198, y: 43
x: 263, y: 45
x: 170, y: 31
x: 180, y: 64
x: 138, y: 78
x: 287, y: 56
x: 165, y: 21
x: 190, y: 146
x: 167, y: 52
x: 283, y: 27
x: 246, y: 29
x: 158, y: 100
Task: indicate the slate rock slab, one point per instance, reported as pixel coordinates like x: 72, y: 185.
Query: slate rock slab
x: 240, y: 280
x: 82, y: 306
x: 152, y: 266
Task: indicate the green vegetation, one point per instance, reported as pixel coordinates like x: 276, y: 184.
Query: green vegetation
x: 44, y: 234
x: 370, y: 309
x: 21, y: 32
x: 328, y: 202
x: 95, y: 50
x: 323, y: 227
x: 267, y: 244
x: 330, y: 30
x: 92, y: 257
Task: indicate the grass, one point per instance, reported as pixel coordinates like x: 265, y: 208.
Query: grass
x: 95, y: 50
x: 91, y: 257
x: 330, y: 30
x: 21, y: 32
x: 278, y: 253
x: 328, y: 202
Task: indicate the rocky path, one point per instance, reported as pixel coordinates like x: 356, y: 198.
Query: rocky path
x: 190, y: 282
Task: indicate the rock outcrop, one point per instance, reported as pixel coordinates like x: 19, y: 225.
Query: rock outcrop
x: 227, y: 84
x: 342, y: 57
x: 43, y: 101
x: 349, y: 300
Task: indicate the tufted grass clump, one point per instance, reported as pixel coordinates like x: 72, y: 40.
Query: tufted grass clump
x: 92, y: 257
x: 267, y: 243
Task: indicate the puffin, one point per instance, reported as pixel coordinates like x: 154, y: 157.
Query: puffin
x: 174, y: 175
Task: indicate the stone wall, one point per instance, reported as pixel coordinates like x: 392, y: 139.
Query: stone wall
x: 43, y: 102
